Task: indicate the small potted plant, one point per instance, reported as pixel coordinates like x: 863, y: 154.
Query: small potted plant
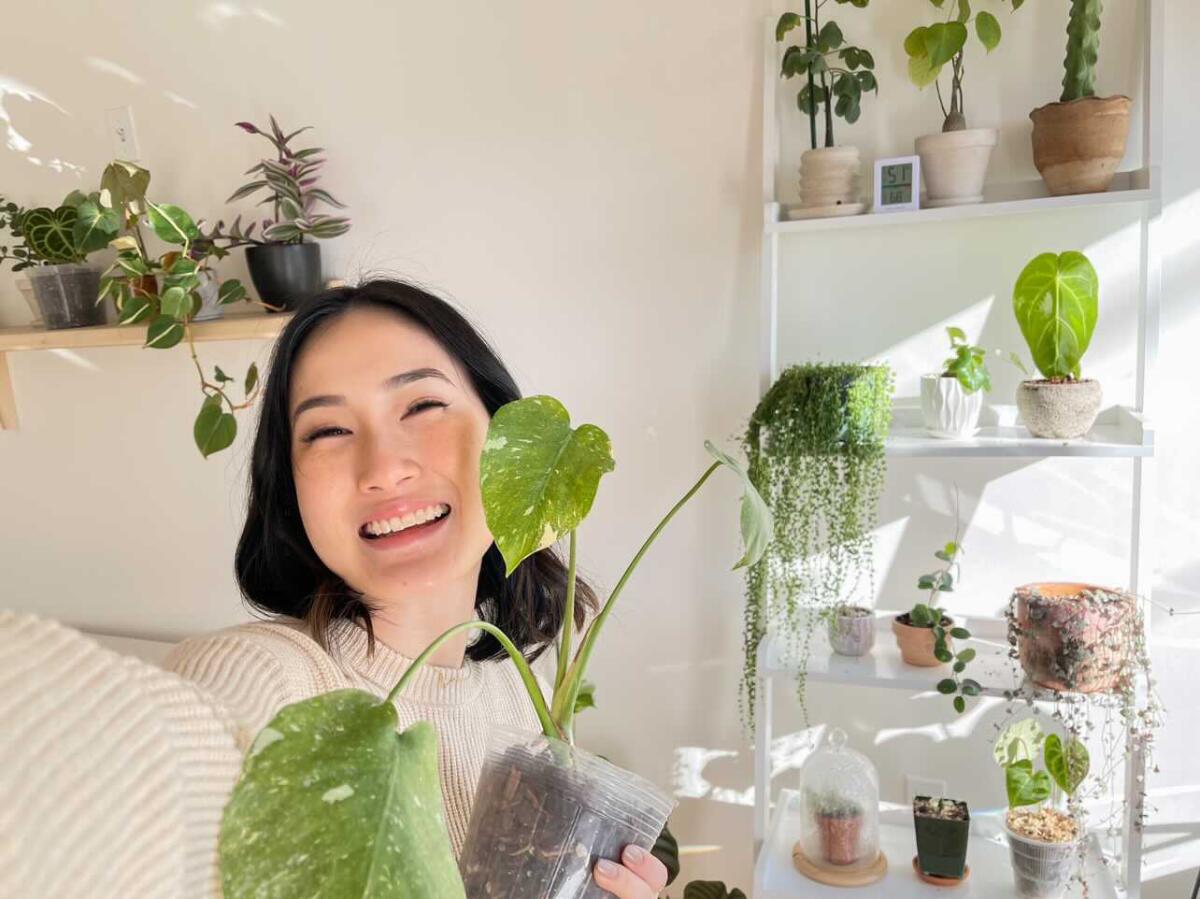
x: 19, y: 254
x: 952, y: 399
x: 851, y: 630
x: 1079, y: 141
x: 954, y: 162
x: 839, y: 823
x: 1044, y: 841
x: 942, y: 827
x: 1056, y: 301
x: 57, y: 243
x: 284, y: 260
x: 544, y: 808
x: 836, y: 75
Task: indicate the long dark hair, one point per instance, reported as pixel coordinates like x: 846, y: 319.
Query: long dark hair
x: 277, y: 568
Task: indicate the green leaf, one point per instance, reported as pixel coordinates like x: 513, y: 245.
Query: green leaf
x: 184, y: 266
x: 967, y: 655
x: 586, y: 697
x: 538, y: 475
x: 710, y: 889
x: 964, y: 10
x: 925, y: 582
x: 944, y: 556
x: 1068, y: 764
x: 1056, y: 301
x: 135, y: 309
x: 914, y: 44
x: 942, y: 655
x: 830, y: 37
x: 786, y: 23
x: 960, y: 666
x: 666, y: 850
x: 988, y: 29
x: 971, y: 687
x: 230, y: 292
x: 960, y: 704
x: 960, y: 633
x: 214, y: 429
x: 365, y: 819
x: 172, y: 224
x: 164, y: 332
x: 957, y: 335
x: 220, y: 375
x: 1019, y: 741
x: 251, y: 378
x: 50, y: 233
x: 1024, y: 785
x: 123, y: 186
x: 947, y: 686
x: 757, y: 523
x: 943, y: 41
x: 176, y: 302
x: 922, y: 72
x: 95, y: 226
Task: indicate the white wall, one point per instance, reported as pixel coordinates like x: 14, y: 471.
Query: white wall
x: 585, y: 180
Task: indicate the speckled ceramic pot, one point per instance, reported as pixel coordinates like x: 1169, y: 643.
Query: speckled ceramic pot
x: 1059, y: 409
x: 852, y: 631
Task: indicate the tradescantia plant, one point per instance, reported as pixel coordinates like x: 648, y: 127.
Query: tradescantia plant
x: 815, y: 445
x: 162, y: 290
x: 331, y: 796
x: 836, y: 73
x: 930, y: 48
x: 1056, y: 300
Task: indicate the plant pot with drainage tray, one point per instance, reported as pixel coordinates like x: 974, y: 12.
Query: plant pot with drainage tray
x: 942, y: 827
x: 545, y: 810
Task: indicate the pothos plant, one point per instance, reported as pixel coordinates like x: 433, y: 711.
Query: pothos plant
x: 332, y: 800
x: 163, y: 290
x: 836, y: 73
x: 815, y: 449
x: 930, y: 48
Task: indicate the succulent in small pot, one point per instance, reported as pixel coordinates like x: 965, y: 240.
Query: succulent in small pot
x: 851, y: 630
x: 1043, y: 840
x: 942, y: 828
x: 1073, y: 637
x: 954, y: 162
x: 1056, y: 301
x: 284, y: 262
x: 839, y: 822
x: 1079, y: 141
x: 836, y: 75
x: 952, y: 399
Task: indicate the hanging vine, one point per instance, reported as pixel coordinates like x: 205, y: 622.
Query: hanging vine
x: 815, y: 450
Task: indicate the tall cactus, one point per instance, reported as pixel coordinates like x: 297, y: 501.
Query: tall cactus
x: 1083, y: 49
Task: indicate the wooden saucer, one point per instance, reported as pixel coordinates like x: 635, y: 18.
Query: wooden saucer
x: 834, y: 877
x: 936, y: 881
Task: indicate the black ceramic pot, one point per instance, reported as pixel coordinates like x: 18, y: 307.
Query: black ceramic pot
x: 285, y: 274
x: 942, y: 843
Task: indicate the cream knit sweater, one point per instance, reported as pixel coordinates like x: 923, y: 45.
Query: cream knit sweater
x: 256, y: 668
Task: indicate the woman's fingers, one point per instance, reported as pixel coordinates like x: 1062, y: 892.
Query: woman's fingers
x: 641, y: 876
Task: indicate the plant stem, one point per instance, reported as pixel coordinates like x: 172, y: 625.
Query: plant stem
x: 808, y: 41
x: 564, y: 697
x: 549, y: 728
x: 564, y: 637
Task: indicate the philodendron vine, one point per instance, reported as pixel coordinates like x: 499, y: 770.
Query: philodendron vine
x: 331, y: 797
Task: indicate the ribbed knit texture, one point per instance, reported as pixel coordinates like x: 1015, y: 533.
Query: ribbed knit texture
x: 256, y: 668
x: 113, y: 773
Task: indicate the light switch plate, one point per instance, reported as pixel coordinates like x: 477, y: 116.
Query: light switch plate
x: 122, y: 134
x: 923, y: 786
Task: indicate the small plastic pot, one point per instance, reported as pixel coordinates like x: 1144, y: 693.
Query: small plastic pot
x: 941, y: 842
x: 67, y: 295
x: 544, y: 813
x: 1041, y: 870
x: 852, y: 631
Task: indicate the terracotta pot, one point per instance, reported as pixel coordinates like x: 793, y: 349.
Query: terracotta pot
x: 1059, y: 409
x: 916, y: 643
x: 1078, y: 145
x: 954, y: 165
x: 1067, y: 642
x: 839, y: 838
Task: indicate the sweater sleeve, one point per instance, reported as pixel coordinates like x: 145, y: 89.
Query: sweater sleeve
x: 250, y: 675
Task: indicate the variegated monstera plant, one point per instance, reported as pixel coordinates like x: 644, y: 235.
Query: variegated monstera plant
x: 332, y: 800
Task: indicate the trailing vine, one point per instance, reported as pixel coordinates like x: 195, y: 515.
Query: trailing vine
x: 815, y: 450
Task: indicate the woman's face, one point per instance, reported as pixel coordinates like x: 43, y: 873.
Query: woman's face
x: 372, y: 449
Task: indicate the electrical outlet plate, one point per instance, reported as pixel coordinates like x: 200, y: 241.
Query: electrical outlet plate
x: 122, y: 134
x: 923, y: 786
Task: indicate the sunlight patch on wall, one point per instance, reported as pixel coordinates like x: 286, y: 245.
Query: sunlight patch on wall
x: 108, y: 67
x: 75, y: 359
x: 11, y: 87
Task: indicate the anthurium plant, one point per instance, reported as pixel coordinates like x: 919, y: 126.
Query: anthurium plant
x: 374, y: 792
x: 1056, y: 300
x: 1066, y: 763
x: 163, y: 290
x: 67, y: 234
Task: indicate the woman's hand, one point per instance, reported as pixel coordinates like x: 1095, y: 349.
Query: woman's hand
x: 640, y: 876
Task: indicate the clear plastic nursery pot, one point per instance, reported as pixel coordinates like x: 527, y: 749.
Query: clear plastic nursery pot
x: 839, y: 807
x: 67, y: 295
x: 1041, y: 869
x: 545, y: 811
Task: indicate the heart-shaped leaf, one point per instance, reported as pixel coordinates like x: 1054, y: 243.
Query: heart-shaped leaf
x: 758, y: 525
x: 1068, y: 764
x: 1019, y: 741
x: 164, y: 332
x: 215, y: 429
x: 332, y: 801
x: 95, y: 226
x: 538, y: 475
x: 1056, y: 301
x: 230, y: 291
x: 50, y: 233
x: 172, y: 224
x: 123, y: 186
x: 943, y: 41
x: 987, y: 26
x: 1024, y: 785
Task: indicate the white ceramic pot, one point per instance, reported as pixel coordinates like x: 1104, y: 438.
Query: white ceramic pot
x: 954, y: 165
x: 208, y: 291
x: 949, y: 411
x: 830, y: 176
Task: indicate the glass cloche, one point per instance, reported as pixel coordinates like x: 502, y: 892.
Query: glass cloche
x: 839, y: 807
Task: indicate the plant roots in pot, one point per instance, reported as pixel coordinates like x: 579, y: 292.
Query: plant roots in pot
x: 1041, y: 869
x: 285, y: 274
x: 545, y: 812
x: 67, y: 295
x: 943, y: 827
